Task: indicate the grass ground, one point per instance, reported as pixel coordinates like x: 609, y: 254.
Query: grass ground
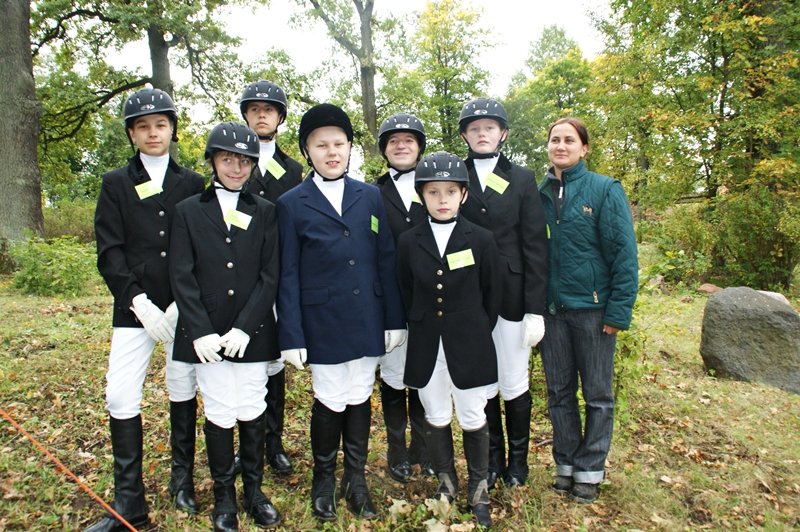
x: 691, y: 452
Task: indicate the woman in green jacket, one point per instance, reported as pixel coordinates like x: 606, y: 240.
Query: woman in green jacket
x: 592, y: 284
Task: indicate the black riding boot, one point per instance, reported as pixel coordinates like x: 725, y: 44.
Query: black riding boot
x: 417, y: 449
x: 440, y: 447
x: 497, y: 448
x: 183, y: 423
x: 326, y: 432
x: 219, y: 444
x: 276, y: 399
x: 129, y: 502
x: 395, y: 418
x: 355, y: 439
x: 518, y: 427
x: 251, y: 455
x: 476, y: 449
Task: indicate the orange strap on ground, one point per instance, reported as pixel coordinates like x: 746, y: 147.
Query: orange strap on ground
x: 64, y: 469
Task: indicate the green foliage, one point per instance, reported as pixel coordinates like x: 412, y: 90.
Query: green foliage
x: 684, y: 241
x: 751, y: 248
x: 60, y: 266
x: 630, y: 366
x: 73, y: 218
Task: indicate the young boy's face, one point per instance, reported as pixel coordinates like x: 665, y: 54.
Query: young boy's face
x: 443, y: 199
x: 402, y: 150
x: 263, y: 118
x: 151, y: 134
x: 483, y: 135
x: 233, y: 169
x: 329, y: 151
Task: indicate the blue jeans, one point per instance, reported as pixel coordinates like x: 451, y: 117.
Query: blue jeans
x: 575, y: 345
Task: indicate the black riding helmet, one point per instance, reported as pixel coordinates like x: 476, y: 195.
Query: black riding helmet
x: 482, y: 108
x: 441, y: 166
x: 264, y: 91
x: 324, y: 114
x: 233, y: 137
x: 150, y: 101
x: 401, y: 122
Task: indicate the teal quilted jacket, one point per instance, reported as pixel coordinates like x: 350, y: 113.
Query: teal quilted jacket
x: 592, y: 246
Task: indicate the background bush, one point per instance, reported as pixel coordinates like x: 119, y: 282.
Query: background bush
x: 70, y: 218
x: 60, y: 266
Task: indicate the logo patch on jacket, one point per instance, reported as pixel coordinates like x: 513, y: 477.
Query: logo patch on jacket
x: 587, y: 210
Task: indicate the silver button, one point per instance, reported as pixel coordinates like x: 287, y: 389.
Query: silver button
x: 408, y: 220
x: 356, y: 291
x: 161, y: 213
x: 261, y: 193
x: 439, y: 273
x: 439, y: 286
x: 163, y: 253
x: 351, y: 262
x: 439, y: 300
x: 161, y: 233
x: 227, y: 240
x: 229, y: 265
x: 346, y: 232
x: 483, y: 211
x: 231, y: 292
x: 439, y: 313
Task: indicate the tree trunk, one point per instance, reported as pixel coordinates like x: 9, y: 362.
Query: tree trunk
x: 20, y: 181
x: 367, y: 63
x: 159, y: 60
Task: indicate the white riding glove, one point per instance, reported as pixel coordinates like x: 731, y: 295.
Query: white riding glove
x: 235, y: 342
x: 532, y: 329
x: 172, y: 315
x: 394, y: 338
x: 152, y: 319
x: 295, y: 357
x: 207, y: 348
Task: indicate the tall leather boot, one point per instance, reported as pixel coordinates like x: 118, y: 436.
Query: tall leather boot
x: 417, y: 449
x: 129, y: 502
x: 355, y: 439
x: 518, y: 427
x: 251, y: 455
x: 394, y: 416
x: 276, y: 400
x: 497, y: 448
x: 476, y: 449
x: 183, y: 422
x: 326, y: 431
x: 219, y: 444
x: 440, y: 447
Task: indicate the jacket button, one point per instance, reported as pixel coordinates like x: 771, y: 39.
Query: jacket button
x: 439, y: 286
x: 483, y: 211
x: 231, y: 292
x: 261, y: 193
x: 439, y: 313
x: 439, y: 299
x: 408, y: 220
x: 161, y: 213
x: 356, y: 291
x: 229, y: 265
x: 439, y: 273
x: 346, y: 232
x: 161, y: 233
x: 163, y: 253
x: 351, y: 262
x: 227, y: 240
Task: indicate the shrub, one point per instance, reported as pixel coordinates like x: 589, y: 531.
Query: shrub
x: 684, y: 240
x: 60, y: 266
x: 757, y: 244
x: 70, y: 218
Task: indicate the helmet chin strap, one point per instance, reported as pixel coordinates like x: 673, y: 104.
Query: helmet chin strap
x: 495, y: 153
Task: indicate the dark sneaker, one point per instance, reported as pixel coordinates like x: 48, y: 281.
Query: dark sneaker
x: 562, y: 485
x: 584, y: 493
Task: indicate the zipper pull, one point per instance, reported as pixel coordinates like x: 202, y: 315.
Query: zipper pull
x: 596, y: 299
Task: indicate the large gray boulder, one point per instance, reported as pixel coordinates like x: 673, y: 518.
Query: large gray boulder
x: 750, y: 336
